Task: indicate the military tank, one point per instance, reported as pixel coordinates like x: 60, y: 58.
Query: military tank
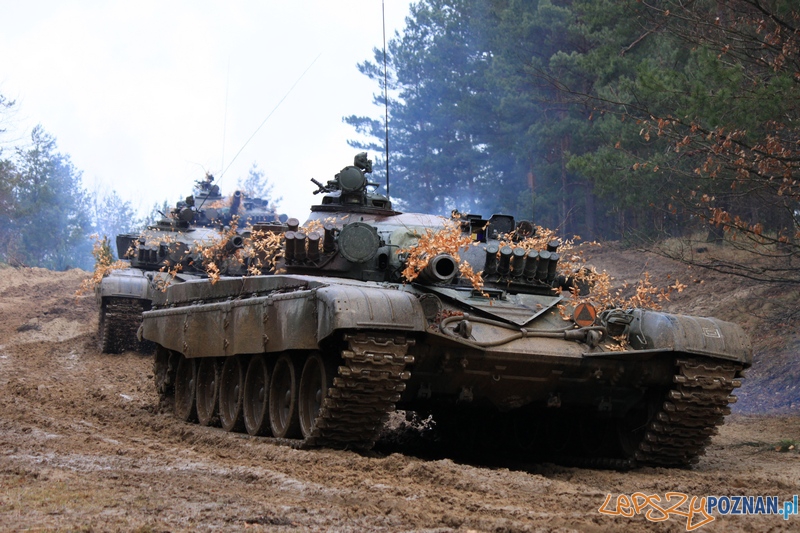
x: 167, y: 252
x: 321, y: 352
x: 211, y: 209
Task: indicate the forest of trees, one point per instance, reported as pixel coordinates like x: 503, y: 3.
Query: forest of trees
x: 607, y: 119
x: 47, y: 217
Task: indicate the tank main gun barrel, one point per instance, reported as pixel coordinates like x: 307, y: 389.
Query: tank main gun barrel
x: 234, y: 243
x: 441, y: 269
x: 236, y: 201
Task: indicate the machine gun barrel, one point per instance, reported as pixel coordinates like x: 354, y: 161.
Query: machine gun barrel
x: 322, y: 188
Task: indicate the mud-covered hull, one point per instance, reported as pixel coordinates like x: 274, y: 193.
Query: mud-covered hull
x: 541, y: 369
x: 384, y: 345
x: 274, y: 313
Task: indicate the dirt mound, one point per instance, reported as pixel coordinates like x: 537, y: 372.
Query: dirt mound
x: 773, y: 383
x: 83, y: 446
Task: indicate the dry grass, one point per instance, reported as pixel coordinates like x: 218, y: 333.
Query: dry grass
x: 754, y: 253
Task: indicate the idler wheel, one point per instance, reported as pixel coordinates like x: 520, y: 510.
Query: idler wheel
x: 256, y: 397
x: 283, y: 416
x: 231, y: 392
x: 207, y: 391
x: 316, y: 379
x: 185, y: 385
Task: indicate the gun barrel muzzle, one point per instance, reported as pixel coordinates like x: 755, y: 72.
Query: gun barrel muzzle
x: 441, y: 269
x: 234, y: 243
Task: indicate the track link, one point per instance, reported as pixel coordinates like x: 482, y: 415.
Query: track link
x: 364, y: 392
x: 118, y: 325
x: 680, y: 431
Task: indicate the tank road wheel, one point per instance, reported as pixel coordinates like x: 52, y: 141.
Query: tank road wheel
x: 231, y: 392
x: 283, y: 399
x: 185, y: 386
x: 207, y: 391
x: 256, y: 397
x: 316, y: 379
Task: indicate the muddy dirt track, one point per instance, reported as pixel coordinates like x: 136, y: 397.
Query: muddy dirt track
x: 83, y: 447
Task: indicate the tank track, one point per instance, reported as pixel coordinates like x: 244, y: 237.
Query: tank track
x: 364, y: 392
x: 164, y: 366
x: 118, y: 325
x: 362, y: 397
x: 698, y: 402
x: 676, y: 433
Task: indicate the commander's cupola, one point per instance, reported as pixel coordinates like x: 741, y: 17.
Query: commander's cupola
x: 348, y: 191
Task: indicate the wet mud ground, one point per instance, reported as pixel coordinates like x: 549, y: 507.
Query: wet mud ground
x: 84, y: 447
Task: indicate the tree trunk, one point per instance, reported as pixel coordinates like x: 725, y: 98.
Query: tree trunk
x: 564, y: 209
x: 590, y: 230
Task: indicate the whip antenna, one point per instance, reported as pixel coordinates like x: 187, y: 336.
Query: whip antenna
x: 225, y: 120
x: 270, y: 114
x: 262, y: 123
x: 385, y: 97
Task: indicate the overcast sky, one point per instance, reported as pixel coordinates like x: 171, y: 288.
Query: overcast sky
x: 147, y: 96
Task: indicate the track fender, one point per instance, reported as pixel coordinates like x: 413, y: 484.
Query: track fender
x: 351, y: 307
x: 654, y: 331
x: 127, y: 283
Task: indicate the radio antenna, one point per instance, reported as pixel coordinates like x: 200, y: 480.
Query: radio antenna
x: 225, y: 119
x: 263, y: 122
x: 385, y: 98
x: 270, y: 114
